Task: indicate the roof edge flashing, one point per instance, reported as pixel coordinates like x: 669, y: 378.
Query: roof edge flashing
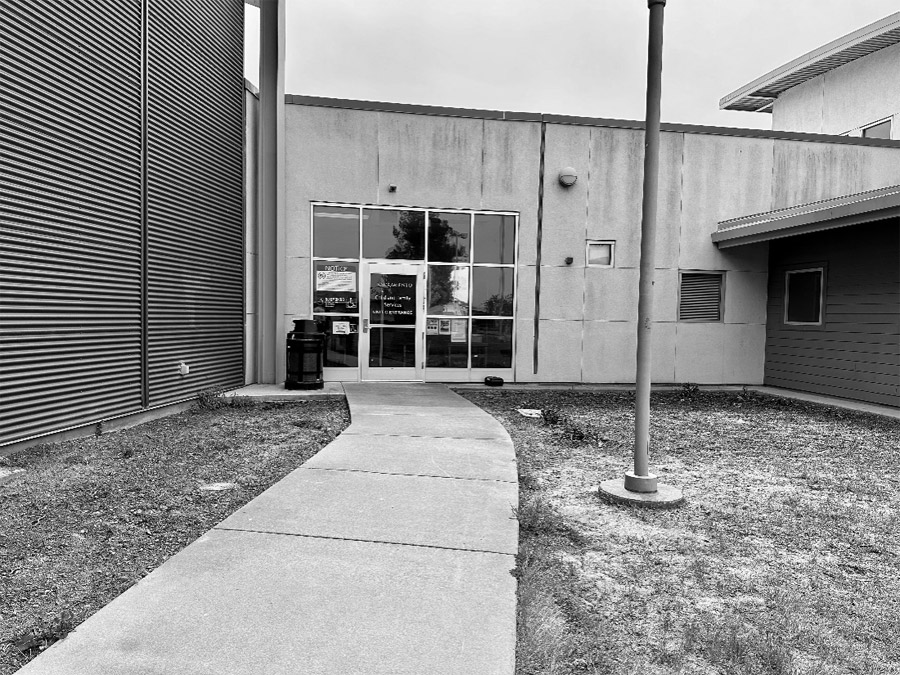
x: 740, y: 98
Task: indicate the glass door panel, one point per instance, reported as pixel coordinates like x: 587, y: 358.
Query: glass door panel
x: 391, y: 342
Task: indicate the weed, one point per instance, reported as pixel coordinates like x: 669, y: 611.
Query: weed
x: 551, y: 416
x: 690, y: 391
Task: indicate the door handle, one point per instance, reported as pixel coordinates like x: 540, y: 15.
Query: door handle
x: 365, y: 325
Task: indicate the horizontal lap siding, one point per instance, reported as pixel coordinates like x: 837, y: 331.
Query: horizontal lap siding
x: 856, y: 352
x: 70, y: 214
x: 195, y: 196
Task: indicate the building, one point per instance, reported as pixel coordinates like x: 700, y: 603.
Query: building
x: 504, y: 270
x: 121, y: 217
x: 834, y: 263
x: 162, y: 225
x: 848, y: 86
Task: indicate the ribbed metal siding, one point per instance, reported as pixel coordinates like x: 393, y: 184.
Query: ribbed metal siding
x: 195, y: 196
x: 70, y: 213
x: 701, y: 297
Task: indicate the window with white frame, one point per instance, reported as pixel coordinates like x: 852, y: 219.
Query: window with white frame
x: 700, y: 296
x: 469, y: 258
x: 803, y: 296
x: 878, y: 130
x: 600, y: 253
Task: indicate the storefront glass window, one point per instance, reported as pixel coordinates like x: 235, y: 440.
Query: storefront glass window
x: 336, y: 287
x: 393, y: 234
x: 492, y: 343
x: 335, y: 232
x: 342, y: 340
x: 449, y: 235
x: 447, y: 343
x: 448, y: 290
x: 492, y: 291
x: 495, y: 239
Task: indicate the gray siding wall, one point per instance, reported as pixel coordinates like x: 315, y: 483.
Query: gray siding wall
x: 121, y: 216
x: 855, y: 353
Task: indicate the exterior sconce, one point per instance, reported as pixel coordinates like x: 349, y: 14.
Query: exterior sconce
x: 568, y: 176
x: 569, y: 260
x: 392, y: 188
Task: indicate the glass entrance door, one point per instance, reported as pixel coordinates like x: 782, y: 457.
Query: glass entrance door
x: 391, y: 343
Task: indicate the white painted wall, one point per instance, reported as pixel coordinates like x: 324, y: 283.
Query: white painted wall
x: 844, y: 100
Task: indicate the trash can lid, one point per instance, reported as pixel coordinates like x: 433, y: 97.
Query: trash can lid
x: 305, y: 326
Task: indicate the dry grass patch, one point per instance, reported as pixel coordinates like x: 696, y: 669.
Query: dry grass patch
x: 784, y: 560
x: 91, y: 517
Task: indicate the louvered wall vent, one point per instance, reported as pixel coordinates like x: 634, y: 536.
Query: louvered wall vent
x: 701, y: 296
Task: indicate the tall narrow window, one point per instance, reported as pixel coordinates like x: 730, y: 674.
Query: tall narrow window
x: 700, y: 296
x: 803, y: 296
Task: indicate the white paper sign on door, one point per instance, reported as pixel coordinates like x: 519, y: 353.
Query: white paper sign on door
x: 336, y: 281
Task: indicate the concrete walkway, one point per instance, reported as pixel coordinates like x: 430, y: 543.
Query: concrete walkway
x: 388, y: 552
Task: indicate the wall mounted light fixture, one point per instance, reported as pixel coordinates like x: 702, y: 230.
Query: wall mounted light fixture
x: 568, y: 176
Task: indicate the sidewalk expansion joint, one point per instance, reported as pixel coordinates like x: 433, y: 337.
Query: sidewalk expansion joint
x: 411, y: 475
x: 363, y: 541
x: 348, y: 432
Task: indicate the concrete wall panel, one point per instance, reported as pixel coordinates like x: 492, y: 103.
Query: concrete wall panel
x: 559, y: 351
x: 562, y: 293
x: 665, y: 295
x: 699, y: 353
x: 811, y: 172
x: 330, y: 155
x: 511, y: 177
x: 614, y: 203
x: 741, y: 342
x: 610, y: 294
x: 525, y: 291
x: 565, y: 209
x: 433, y: 161
x: 724, y: 178
x: 299, y: 281
x: 609, y: 351
x: 743, y: 291
x: 525, y: 351
x: 662, y: 363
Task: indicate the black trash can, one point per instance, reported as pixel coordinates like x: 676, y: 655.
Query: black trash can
x: 305, y: 356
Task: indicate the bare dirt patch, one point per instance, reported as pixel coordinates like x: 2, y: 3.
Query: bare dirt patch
x: 785, y: 558
x: 89, y: 518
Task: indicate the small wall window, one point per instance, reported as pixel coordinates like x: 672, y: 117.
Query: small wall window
x: 803, y: 291
x: 879, y: 130
x: 601, y: 253
x: 700, y: 296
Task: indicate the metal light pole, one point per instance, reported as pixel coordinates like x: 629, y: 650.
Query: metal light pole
x: 640, y: 486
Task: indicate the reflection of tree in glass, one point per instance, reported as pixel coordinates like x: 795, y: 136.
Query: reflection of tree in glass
x: 498, y: 305
x: 409, y: 235
x: 445, y: 244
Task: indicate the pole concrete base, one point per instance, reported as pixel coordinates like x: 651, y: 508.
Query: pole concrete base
x: 636, y: 483
x: 665, y: 497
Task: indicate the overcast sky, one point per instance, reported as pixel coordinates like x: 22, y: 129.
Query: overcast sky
x: 572, y: 57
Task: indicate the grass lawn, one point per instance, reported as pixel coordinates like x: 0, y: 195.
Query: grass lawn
x: 785, y: 558
x: 91, y: 517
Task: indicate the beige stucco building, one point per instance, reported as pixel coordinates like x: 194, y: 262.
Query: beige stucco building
x: 570, y: 319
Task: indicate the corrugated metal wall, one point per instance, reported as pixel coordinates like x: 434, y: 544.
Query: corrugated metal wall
x: 195, y: 196
x: 855, y: 353
x: 70, y: 214
x: 80, y: 314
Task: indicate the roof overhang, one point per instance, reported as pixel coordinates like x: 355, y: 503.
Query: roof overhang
x: 864, y: 207
x: 759, y: 95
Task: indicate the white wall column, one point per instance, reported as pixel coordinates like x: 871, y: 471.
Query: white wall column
x: 271, y: 231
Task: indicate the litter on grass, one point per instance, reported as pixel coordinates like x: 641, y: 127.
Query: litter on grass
x: 529, y: 412
x: 218, y: 487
